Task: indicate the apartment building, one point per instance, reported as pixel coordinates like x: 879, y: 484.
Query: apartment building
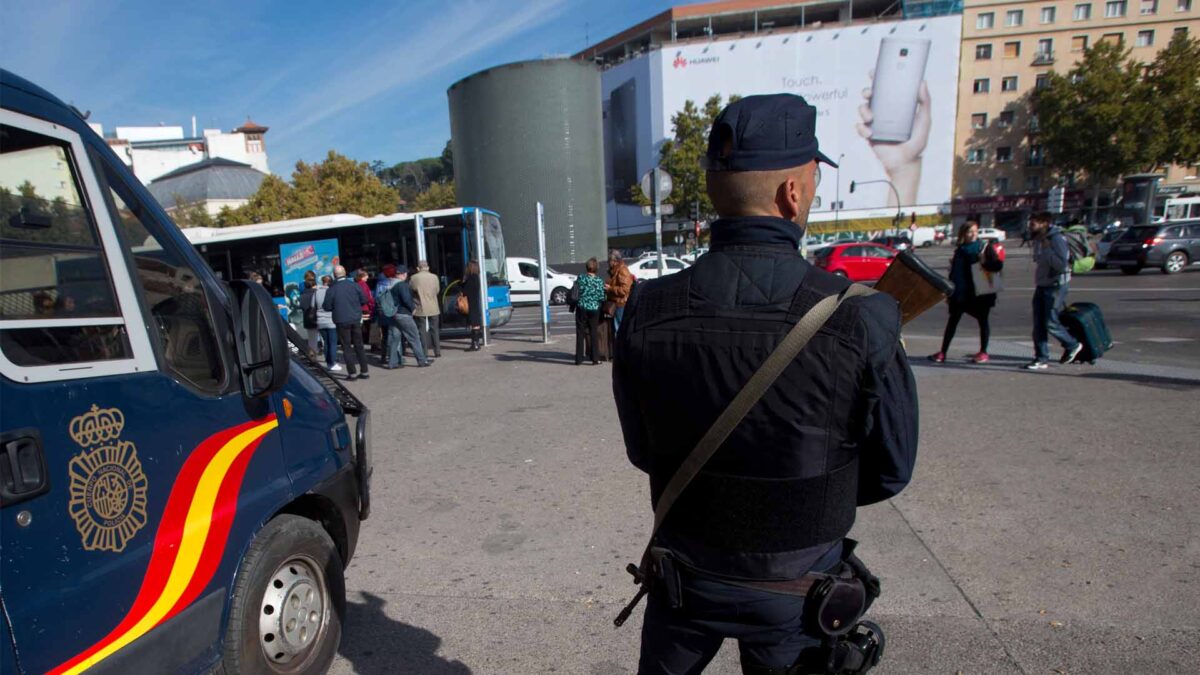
x: 1008, y: 49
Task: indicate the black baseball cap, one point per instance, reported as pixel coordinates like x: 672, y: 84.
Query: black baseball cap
x: 765, y: 133
x: 401, y: 269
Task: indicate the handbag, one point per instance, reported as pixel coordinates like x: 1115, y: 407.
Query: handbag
x: 310, y: 313
x: 751, y: 392
x: 986, y: 283
x: 463, y: 305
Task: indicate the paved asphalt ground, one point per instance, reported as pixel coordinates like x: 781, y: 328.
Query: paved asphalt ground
x: 1051, y: 527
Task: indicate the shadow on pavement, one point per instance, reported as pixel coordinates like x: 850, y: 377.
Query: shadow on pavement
x: 1011, y: 363
x: 549, y: 357
x: 374, y: 643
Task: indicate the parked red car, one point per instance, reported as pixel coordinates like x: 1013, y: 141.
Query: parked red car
x: 858, y: 262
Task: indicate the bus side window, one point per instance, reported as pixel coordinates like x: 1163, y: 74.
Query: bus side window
x: 176, y: 299
x: 54, y: 275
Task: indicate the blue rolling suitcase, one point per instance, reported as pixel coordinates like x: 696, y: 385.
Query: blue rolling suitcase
x: 1085, y: 322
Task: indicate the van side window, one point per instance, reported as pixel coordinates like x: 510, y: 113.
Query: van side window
x: 175, y: 298
x: 528, y: 270
x: 56, y: 294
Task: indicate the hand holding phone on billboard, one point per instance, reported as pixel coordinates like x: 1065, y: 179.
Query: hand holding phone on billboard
x: 899, y: 133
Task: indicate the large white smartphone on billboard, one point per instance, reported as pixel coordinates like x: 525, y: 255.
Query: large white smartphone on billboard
x: 899, y: 70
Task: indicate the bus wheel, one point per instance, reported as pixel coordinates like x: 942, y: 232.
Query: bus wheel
x: 289, y: 602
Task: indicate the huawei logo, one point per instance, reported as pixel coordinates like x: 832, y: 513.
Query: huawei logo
x: 680, y: 62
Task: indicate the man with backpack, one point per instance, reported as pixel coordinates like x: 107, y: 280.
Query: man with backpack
x: 1052, y: 278
x: 396, y: 306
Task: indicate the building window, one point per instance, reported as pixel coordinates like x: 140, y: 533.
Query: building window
x: 1014, y: 17
x: 1183, y: 6
x: 1033, y: 183
x: 1182, y: 30
x: 1033, y: 123
x: 983, y: 85
x: 1079, y: 43
x: 254, y: 146
x: 976, y: 156
x: 985, y: 21
x: 1149, y: 7
x: 1036, y: 156
x: 1008, y: 83
x: 1045, y: 47
x: 1083, y: 12
x: 1003, y: 154
x: 1012, y: 50
x: 1113, y: 39
x: 1047, y: 15
x: 1001, y: 184
x: 983, y: 52
x: 1041, y: 81
x: 1006, y: 119
x: 1145, y: 38
x: 979, y: 120
x: 974, y: 186
x: 1114, y: 9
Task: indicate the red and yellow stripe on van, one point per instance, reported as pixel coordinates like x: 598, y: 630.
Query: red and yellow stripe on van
x: 191, y: 537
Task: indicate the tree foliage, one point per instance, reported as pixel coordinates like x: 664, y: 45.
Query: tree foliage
x: 412, y: 178
x: 336, y: 185
x: 191, y: 214
x: 681, y: 157
x: 438, y: 196
x: 1112, y: 115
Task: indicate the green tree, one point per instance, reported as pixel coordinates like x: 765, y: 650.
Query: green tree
x: 681, y: 157
x: 1100, y: 119
x: 336, y: 185
x: 191, y: 215
x: 1174, y: 81
x: 438, y: 196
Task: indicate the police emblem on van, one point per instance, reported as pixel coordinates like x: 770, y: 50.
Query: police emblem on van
x: 108, y: 486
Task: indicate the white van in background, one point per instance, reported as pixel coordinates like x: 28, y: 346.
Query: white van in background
x: 923, y: 237
x: 525, y: 286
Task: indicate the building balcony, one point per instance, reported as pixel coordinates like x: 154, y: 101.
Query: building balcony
x: 1043, y: 59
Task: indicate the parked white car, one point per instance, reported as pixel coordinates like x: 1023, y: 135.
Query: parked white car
x: 991, y: 233
x: 525, y: 285
x: 647, y: 268
x: 923, y: 237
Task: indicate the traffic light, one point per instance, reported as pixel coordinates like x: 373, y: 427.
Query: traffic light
x: 851, y: 187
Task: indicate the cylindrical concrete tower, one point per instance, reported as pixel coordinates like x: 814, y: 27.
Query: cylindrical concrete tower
x: 529, y: 132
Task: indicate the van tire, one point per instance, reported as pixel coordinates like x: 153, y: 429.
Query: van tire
x: 558, y: 296
x: 301, y: 550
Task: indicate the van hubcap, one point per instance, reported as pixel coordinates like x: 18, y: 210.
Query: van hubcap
x: 294, y: 611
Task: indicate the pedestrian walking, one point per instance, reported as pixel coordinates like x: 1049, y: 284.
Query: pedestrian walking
x: 368, y: 310
x: 401, y: 327
x: 617, y: 289
x: 325, y: 325
x: 472, y: 287
x: 426, y: 289
x: 345, y: 300
x: 967, y: 299
x: 308, y: 313
x: 765, y: 517
x: 1052, y: 280
x: 587, y: 313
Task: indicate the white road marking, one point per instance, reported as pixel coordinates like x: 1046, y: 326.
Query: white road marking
x: 1166, y: 340
x: 1116, y: 290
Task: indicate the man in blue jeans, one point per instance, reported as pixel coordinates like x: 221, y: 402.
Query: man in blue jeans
x: 1052, y: 279
x: 402, y: 324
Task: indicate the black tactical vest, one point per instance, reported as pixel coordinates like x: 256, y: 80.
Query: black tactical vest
x: 783, y: 486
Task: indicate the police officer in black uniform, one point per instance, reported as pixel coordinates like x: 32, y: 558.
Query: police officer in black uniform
x: 837, y: 430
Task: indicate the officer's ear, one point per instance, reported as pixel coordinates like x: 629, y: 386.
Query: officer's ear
x: 790, y: 195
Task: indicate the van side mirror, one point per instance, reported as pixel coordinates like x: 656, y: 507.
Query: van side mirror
x: 262, y: 346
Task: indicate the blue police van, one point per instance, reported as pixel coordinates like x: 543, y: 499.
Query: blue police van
x: 181, y: 489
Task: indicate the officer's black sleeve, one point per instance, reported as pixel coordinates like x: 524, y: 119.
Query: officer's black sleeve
x: 889, y: 448
x: 625, y: 391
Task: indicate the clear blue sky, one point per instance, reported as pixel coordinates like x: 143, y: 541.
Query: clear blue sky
x: 368, y: 78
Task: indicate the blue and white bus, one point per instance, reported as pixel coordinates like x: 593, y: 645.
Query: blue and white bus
x: 447, y: 238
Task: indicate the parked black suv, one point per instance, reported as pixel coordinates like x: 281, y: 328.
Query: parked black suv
x: 1170, y: 247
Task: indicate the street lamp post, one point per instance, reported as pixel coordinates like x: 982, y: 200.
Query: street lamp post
x: 899, y: 215
x: 837, y: 197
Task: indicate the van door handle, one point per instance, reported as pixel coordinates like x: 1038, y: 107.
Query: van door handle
x: 23, y: 472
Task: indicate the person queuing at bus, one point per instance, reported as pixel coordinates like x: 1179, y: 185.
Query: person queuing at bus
x: 426, y: 289
x: 473, y: 287
x: 345, y: 299
x: 382, y: 285
x: 325, y: 325
x: 587, y: 313
x: 837, y: 429
x: 401, y: 327
x: 368, y: 310
x: 618, y: 287
x: 966, y: 299
x: 309, y: 310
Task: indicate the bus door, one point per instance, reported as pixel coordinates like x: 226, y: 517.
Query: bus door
x: 138, y: 462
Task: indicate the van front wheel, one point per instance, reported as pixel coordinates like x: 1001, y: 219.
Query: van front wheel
x: 289, y: 602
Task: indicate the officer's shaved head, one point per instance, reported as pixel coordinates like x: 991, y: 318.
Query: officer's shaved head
x: 783, y: 193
